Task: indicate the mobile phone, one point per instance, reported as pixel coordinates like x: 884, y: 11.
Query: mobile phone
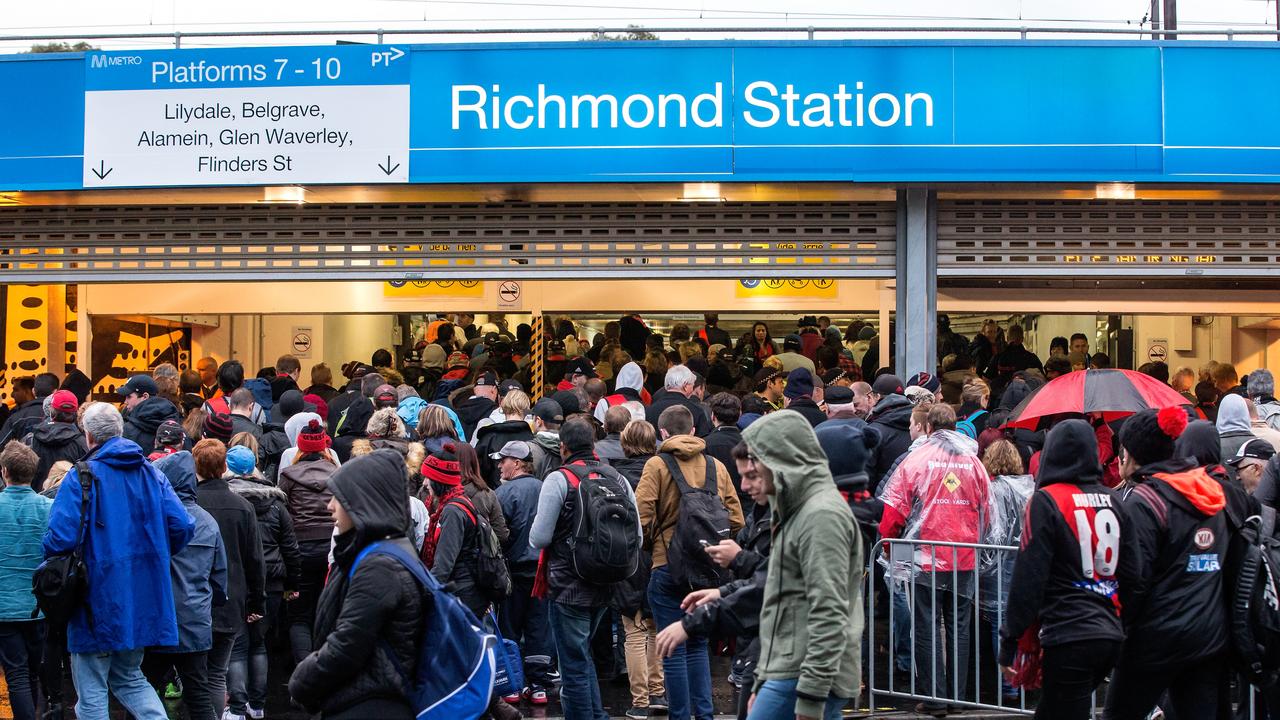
x: 704, y: 543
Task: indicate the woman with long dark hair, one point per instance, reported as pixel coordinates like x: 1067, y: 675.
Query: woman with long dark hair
x: 760, y: 343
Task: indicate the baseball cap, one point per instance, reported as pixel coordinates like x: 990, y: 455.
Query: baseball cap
x: 384, y: 394
x: 508, y: 385
x: 64, y: 400
x: 458, y: 360
x: 169, y: 433
x: 887, y: 384
x: 1258, y: 449
x: 555, y: 347
x: 549, y: 411
x: 791, y: 341
x: 486, y: 379
x: 517, y: 449
x: 581, y: 366
x: 766, y: 376
x: 139, y: 384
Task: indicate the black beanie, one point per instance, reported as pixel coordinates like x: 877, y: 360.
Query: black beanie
x: 848, y: 444
x: 1149, y: 435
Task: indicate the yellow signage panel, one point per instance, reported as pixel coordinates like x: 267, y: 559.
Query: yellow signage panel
x: 433, y: 289
x: 812, y: 288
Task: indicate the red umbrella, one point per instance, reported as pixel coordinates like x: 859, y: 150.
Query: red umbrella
x: 1114, y: 393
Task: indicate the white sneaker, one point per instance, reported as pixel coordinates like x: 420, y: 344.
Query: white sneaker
x: 228, y: 715
x: 256, y: 713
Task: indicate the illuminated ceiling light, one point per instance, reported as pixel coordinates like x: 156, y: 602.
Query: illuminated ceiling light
x: 701, y: 192
x: 284, y: 194
x: 1114, y: 191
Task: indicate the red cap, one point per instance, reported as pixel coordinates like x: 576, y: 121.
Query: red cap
x: 64, y: 400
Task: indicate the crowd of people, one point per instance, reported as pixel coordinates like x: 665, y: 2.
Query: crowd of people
x: 654, y: 501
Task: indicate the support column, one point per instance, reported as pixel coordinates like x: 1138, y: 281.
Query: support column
x: 917, y: 283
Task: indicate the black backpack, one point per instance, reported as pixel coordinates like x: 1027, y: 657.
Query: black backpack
x: 61, y: 583
x: 703, y: 520
x: 493, y: 577
x: 1254, y: 596
x: 605, y: 543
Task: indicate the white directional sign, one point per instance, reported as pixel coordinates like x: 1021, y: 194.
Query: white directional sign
x: 247, y: 116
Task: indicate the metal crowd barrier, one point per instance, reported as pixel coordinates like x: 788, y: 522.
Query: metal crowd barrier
x: 990, y: 577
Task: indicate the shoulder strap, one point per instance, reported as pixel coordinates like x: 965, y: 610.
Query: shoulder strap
x: 464, y: 503
x: 1268, y: 521
x: 410, y: 562
x: 673, y: 468
x: 571, y: 476
x: 712, y: 482
x: 85, y: 475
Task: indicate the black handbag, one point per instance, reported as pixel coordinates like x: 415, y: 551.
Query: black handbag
x: 61, y: 583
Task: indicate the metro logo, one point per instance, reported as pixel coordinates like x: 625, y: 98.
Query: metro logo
x: 102, y: 61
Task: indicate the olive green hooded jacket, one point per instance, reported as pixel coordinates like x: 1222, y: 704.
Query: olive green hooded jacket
x: 811, y: 623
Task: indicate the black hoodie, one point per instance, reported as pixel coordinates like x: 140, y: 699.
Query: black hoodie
x: 141, y: 423
x: 53, y: 442
x: 892, y: 417
x: 362, y: 619
x: 1050, y: 584
x: 491, y: 438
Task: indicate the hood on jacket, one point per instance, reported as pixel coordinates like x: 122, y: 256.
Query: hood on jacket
x: 1197, y: 486
x: 548, y: 441
x: 261, y: 389
x: 1233, y: 415
x: 953, y: 442
x: 1070, y: 455
x: 684, y: 447
x: 410, y: 409
x: 148, y: 414
x: 893, y: 410
x: 786, y: 444
x: 119, y: 454
x: 295, y: 424
x: 180, y: 468
x: 1199, y: 442
x: 357, y: 417
x: 256, y: 489
x: 630, y: 376
x: 1014, y: 394
x: 371, y: 489
x: 57, y: 433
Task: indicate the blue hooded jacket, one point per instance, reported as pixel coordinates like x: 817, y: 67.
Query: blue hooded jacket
x: 135, y: 523
x: 199, y: 571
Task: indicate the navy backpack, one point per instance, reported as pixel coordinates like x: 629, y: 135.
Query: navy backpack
x: 456, y: 663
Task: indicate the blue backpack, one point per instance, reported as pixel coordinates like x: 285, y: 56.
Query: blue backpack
x: 966, y: 426
x: 456, y: 664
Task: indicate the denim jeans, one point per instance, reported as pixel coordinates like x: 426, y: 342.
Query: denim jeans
x: 247, y: 671
x: 99, y: 675
x: 776, y: 700
x: 219, y: 662
x: 901, y: 629
x: 687, y: 672
x: 572, y: 626
x: 21, y: 648
x: 525, y: 619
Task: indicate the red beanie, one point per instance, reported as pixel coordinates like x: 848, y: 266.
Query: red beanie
x: 442, y: 467
x: 313, y: 439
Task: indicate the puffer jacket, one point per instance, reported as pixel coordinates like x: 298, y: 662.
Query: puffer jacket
x: 275, y: 529
x: 812, y: 616
x: 305, y: 485
x: 658, y: 498
x: 365, y: 618
x: 941, y: 492
x: 141, y: 422
x: 53, y: 442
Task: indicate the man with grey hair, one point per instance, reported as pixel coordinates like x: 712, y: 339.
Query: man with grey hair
x: 1262, y: 391
x: 134, y: 522
x: 678, y: 390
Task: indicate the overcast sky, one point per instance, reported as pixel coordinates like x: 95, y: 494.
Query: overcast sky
x: 120, y: 16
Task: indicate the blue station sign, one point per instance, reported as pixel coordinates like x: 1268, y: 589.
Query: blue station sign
x: 887, y: 111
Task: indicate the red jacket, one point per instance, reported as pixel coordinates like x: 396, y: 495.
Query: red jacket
x: 941, y: 492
